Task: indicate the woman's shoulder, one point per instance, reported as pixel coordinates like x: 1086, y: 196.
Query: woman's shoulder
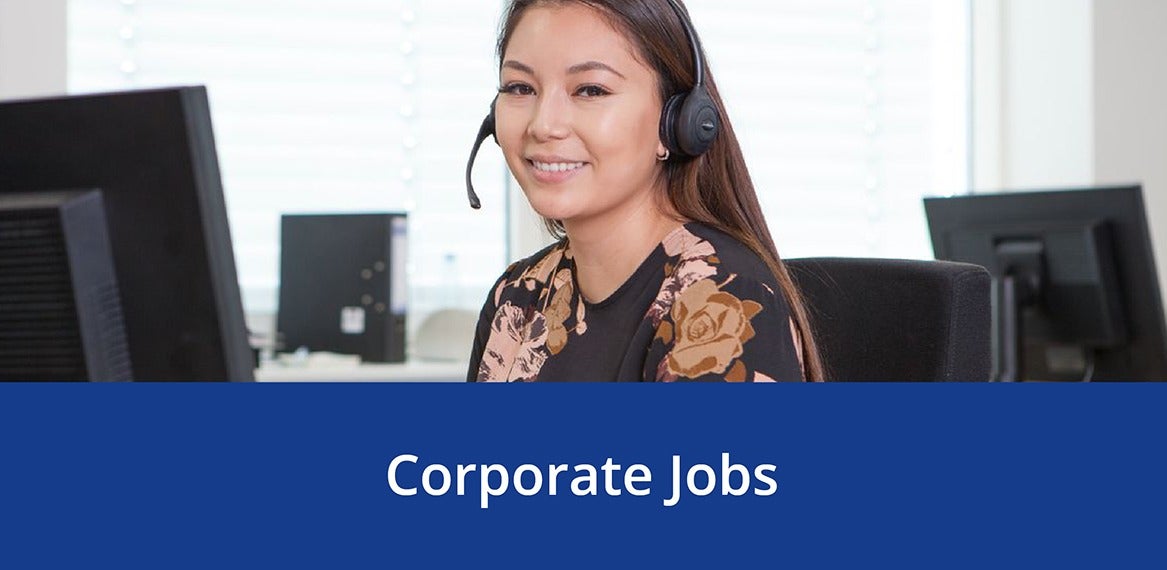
x: 720, y: 313
x: 724, y: 254
x: 705, y: 264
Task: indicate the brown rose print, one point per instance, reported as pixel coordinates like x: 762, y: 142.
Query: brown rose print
x: 559, y: 311
x: 710, y: 326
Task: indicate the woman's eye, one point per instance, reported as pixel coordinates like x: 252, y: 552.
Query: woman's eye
x: 517, y: 89
x: 592, y: 91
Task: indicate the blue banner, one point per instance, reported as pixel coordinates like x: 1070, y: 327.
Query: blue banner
x: 540, y: 476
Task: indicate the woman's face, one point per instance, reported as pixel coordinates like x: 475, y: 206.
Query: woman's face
x: 578, y: 116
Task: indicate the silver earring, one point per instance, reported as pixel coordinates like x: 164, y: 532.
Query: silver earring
x: 663, y: 157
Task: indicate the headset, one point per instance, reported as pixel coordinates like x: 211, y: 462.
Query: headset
x: 689, y: 121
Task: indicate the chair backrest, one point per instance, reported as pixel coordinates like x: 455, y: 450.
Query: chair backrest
x: 898, y: 320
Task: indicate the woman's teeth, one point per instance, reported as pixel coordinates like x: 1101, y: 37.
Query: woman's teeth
x: 556, y: 166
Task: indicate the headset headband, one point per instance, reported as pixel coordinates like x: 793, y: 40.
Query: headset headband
x: 694, y: 43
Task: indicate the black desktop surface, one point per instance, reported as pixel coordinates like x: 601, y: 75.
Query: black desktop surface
x: 152, y: 155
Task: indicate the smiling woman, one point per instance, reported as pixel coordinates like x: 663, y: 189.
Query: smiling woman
x: 579, y: 125
x: 665, y: 269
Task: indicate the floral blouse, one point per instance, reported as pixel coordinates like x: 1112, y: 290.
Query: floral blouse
x: 702, y: 306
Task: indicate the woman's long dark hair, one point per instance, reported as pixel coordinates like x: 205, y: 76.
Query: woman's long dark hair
x: 714, y: 189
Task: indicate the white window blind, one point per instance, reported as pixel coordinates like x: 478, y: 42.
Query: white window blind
x: 849, y: 111
x: 339, y: 106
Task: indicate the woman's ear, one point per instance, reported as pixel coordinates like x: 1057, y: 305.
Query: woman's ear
x: 662, y: 152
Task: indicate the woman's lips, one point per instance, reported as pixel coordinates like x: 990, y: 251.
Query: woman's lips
x: 554, y: 171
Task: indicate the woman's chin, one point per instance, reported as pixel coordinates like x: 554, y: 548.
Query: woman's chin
x: 553, y: 209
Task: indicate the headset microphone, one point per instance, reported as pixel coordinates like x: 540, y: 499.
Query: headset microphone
x: 485, y: 131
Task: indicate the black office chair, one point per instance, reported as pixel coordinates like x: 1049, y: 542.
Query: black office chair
x: 898, y: 320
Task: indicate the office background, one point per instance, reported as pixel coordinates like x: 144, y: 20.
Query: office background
x: 1008, y: 94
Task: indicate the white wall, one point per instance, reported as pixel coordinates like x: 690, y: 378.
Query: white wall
x: 1130, y: 105
x: 1033, y: 101
x: 1072, y: 93
x: 988, y: 93
x: 1048, y: 108
x: 32, y: 48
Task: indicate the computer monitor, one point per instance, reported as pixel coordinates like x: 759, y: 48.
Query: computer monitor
x: 60, y: 312
x: 151, y: 153
x: 1076, y: 294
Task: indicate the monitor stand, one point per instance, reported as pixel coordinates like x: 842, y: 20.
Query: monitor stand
x: 1019, y: 288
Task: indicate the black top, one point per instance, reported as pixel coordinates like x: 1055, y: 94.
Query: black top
x: 702, y: 306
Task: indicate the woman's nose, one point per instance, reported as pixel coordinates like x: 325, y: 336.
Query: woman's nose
x: 552, y: 118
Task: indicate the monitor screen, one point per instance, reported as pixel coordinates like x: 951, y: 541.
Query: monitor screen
x: 1076, y: 294
x: 152, y: 155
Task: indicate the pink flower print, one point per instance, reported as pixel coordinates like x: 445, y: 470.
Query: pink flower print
x: 539, y: 273
x: 498, y: 292
x: 581, y: 326
x: 515, y: 350
x: 663, y: 374
x: 759, y: 377
x: 683, y: 244
x: 685, y: 274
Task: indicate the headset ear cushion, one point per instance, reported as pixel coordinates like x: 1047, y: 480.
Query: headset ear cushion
x: 697, y: 123
x: 668, y: 124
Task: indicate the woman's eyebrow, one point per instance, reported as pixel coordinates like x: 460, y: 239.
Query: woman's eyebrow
x: 593, y: 66
x: 577, y: 68
x: 512, y: 64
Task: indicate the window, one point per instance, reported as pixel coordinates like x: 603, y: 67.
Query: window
x: 340, y: 106
x: 849, y: 111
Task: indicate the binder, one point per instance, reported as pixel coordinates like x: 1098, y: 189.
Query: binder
x: 343, y: 285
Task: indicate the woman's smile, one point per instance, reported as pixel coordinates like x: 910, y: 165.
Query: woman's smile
x: 554, y: 170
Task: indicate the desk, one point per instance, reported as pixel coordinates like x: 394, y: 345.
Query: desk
x: 368, y: 372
